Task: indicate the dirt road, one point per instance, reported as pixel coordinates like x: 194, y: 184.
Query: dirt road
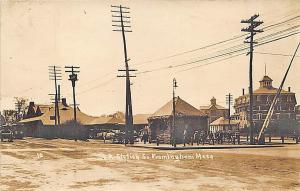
x: 38, y: 164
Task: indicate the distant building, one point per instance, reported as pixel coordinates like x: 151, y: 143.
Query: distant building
x: 42, y: 122
x: 35, y: 110
x: 298, y: 113
x: 214, y: 111
x: 223, y: 124
x: 39, y: 121
x: 116, y: 121
x: 284, y: 115
x: 187, y: 117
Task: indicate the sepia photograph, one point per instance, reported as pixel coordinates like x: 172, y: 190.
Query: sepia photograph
x: 150, y: 95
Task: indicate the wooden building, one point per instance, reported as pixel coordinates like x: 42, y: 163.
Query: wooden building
x: 43, y: 125
x: 35, y: 110
x: 223, y: 124
x: 214, y: 111
x: 284, y: 116
x: 187, y: 117
x: 39, y: 121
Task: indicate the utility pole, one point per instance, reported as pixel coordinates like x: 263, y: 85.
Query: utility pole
x: 229, y: 100
x: 121, y: 22
x: 73, y: 70
x: 252, y: 31
x: 174, y: 113
x: 55, y: 75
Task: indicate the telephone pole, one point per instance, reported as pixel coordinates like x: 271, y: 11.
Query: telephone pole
x: 121, y: 23
x: 55, y: 75
x: 53, y: 100
x: 174, y: 113
x: 73, y: 70
x: 229, y: 100
x: 252, y: 31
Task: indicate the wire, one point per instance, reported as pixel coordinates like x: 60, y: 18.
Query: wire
x: 217, y: 56
x: 97, y: 86
x: 217, y: 43
x: 274, y: 54
x: 211, y: 63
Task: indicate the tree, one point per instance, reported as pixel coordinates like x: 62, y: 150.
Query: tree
x: 20, y: 104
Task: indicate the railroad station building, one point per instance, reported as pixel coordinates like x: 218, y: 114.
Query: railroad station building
x: 187, y: 117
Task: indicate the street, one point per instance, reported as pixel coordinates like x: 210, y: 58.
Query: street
x: 40, y: 164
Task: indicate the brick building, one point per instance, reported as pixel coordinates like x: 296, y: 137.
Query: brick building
x: 284, y: 116
x: 214, y: 111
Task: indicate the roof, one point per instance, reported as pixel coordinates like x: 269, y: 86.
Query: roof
x: 65, y: 112
x: 270, y: 90
x: 211, y: 106
x: 140, y: 119
x: 181, y: 107
x: 222, y: 121
x: 105, y: 120
x: 43, y: 108
x: 266, y: 78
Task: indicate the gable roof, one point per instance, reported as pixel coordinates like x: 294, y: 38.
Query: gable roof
x: 140, y: 119
x: 105, y: 120
x: 211, y: 106
x: 65, y: 112
x: 181, y: 107
x: 222, y: 121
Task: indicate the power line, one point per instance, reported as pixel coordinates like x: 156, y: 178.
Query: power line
x: 217, y: 43
x: 210, y: 63
x: 97, y: 86
x: 223, y: 52
x: 275, y: 54
x: 216, y: 56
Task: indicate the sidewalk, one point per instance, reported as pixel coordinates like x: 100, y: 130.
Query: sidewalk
x: 206, y: 146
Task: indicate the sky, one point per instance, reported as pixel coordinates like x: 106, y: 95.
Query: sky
x: 38, y: 34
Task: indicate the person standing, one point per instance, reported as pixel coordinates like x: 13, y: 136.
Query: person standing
x: 184, y: 136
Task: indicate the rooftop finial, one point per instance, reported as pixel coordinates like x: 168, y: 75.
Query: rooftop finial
x: 265, y: 69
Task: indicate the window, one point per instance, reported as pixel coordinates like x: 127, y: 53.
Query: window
x: 258, y: 98
x: 259, y: 115
x: 278, y: 116
x: 289, y: 98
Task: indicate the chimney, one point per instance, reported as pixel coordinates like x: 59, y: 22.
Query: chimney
x: 31, y: 104
x: 289, y: 89
x: 243, y: 91
x: 64, y: 102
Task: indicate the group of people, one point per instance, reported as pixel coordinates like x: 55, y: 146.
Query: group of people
x: 202, y: 137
